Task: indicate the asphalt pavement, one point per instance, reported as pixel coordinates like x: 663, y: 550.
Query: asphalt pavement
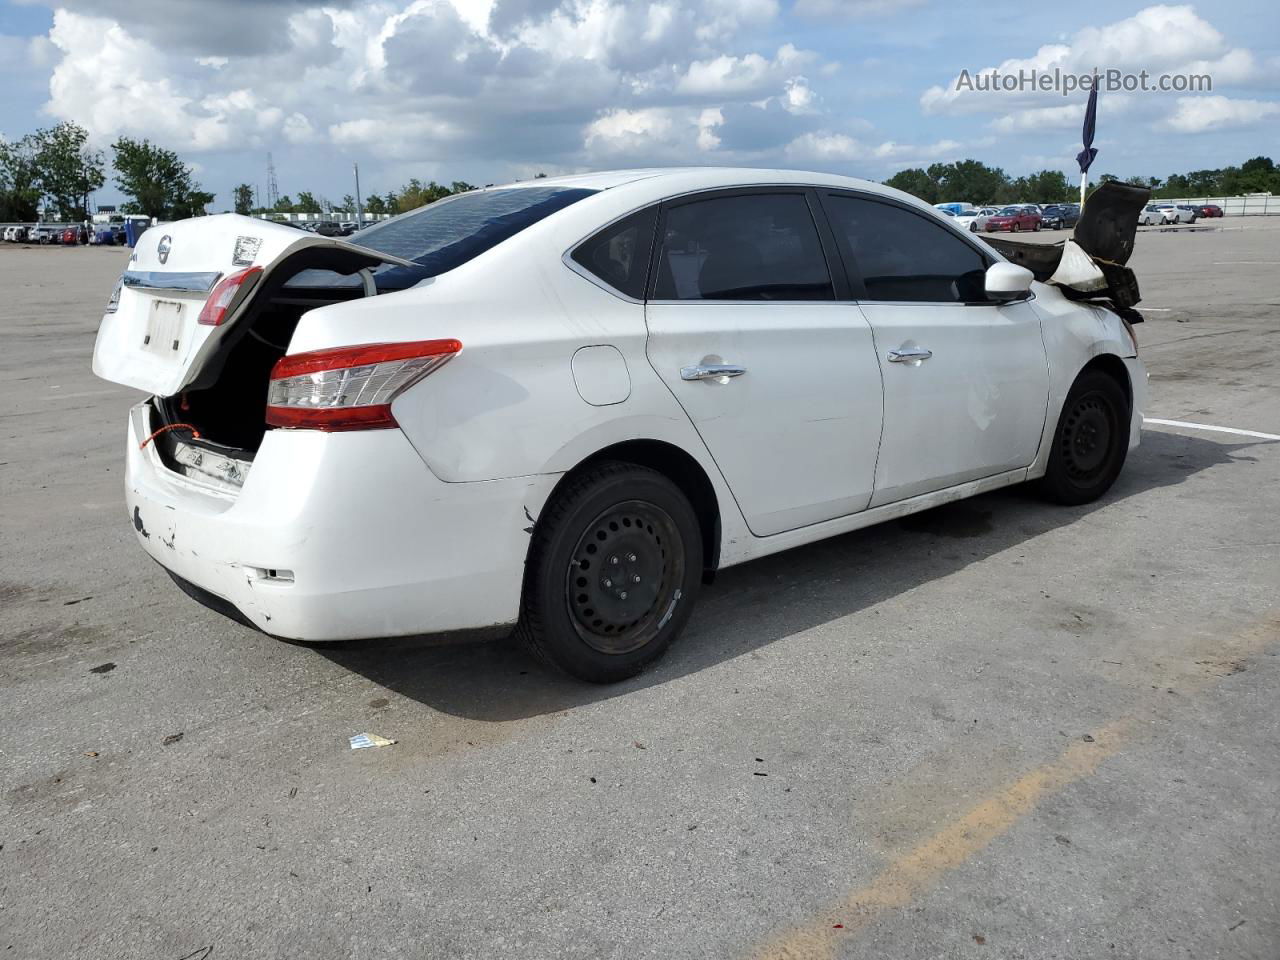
x: 997, y: 729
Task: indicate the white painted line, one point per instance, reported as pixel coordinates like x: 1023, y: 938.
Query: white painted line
x: 1157, y: 310
x: 1256, y: 263
x: 1204, y: 426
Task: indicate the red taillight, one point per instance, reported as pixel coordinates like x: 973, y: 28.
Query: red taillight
x: 217, y: 306
x: 350, y: 388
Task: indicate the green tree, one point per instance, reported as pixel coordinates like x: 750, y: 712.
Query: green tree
x: 968, y: 181
x: 307, y: 203
x: 19, y: 180
x: 243, y: 194
x: 461, y: 186
x: 283, y: 204
x: 1048, y: 186
x: 349, y: 204
x: 375, y: 204
x: 69, y: 171
x: 915, y: 182
x: 157, y: 182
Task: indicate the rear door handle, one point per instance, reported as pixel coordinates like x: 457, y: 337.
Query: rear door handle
x: 712, y: 371
x: 914, y: 355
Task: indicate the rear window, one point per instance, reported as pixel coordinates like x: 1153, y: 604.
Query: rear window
x: 446, y: 234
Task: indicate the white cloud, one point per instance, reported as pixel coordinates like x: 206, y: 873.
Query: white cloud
x: 853, y: 9
x: 619, y: 129
x: 1160, y: 39
x: 1201, y: 114
x: 708, y: 120
x: 824, y: 148
x: 747, y: 74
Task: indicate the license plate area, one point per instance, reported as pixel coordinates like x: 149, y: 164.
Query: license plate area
x: 164, y: 327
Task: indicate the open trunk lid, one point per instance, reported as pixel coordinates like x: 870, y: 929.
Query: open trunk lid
x: 151, y: 338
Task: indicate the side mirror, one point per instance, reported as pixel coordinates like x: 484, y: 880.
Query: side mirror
x: 1008, y: 281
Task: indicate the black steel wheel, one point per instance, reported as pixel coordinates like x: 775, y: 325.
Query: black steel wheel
x: 613, y: 570
x: 1091, y: 441
x: 624, y: 577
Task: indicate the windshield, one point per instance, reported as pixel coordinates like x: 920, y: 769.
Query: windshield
x: 1010, y: 212
x: 446, y: 234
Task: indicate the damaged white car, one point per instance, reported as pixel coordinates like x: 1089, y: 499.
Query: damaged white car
x: 560, y: 406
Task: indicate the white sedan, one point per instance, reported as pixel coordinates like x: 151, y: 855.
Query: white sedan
x: 975, y: 221
x: 560, y: 406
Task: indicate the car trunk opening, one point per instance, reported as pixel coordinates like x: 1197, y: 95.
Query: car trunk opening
x: 225, y: 401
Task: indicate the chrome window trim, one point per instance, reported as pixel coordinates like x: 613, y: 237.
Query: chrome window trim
x: 176, y: 282
x: 567, y: 259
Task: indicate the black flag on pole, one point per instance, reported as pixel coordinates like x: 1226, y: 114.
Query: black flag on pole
x: 1085, y: 156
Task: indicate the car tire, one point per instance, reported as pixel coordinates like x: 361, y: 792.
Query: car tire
x: 1091, y: 441
x: 1015, y: 229
x: 614, y: 526
x: 973, y: 228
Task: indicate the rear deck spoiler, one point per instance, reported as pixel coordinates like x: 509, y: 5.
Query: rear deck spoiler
x: 1106, y: 231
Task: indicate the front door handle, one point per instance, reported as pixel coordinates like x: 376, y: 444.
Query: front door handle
x: 912, y: 355
x: 720, y: 372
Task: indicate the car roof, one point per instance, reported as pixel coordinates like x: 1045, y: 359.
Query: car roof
x: 706, y: 177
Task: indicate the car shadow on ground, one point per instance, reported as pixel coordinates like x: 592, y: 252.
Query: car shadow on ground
x: 753, y: 605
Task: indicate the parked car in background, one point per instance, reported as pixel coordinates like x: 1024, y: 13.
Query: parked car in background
x: 348, y: 227
x: 41, y: 234
x: 973, y: 220
x: 1177, y: 213
x: 686, y: 398
x: 1210, y: 210
x: 69, y: 236
x: 1014, y: 219
x: 955, y: 209
x: 15, y: 234
x: 1058, y: 216
x: 328, y: 228
x: 1151, y: 216
x: 109, y: 235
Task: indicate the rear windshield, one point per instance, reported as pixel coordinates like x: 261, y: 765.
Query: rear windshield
x: 446, y: 234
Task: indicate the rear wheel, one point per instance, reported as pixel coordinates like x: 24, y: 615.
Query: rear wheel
x: 1091, y: 441
x: 612, y: 574
x: 1015, y: 228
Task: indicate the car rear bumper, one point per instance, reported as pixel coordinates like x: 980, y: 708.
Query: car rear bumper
x: 338, y: 536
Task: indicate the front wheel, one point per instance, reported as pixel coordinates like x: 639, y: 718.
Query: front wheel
x: 1091, y: 441
x: 973, y: 228
x: 1015, y: 228
x: 612, y: 574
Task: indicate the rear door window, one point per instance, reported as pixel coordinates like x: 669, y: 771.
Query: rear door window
x: 742, y: 247
x: 901, y: 255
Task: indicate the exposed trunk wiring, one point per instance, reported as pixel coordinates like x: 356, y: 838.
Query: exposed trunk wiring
x: 195, y: 434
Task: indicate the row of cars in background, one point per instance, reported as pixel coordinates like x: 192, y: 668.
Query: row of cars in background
x: 116, y: 231
x: 45, y: 234
x: 1161, y: 213
x: 70, y: 235
x: 1013, y: 218
x: 1018, y: 217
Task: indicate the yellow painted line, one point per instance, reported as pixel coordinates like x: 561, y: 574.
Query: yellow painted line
x: 916, y: 871
x: 920, y: 868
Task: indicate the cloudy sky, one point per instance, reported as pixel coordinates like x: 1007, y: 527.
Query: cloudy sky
x: 493, y: 90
